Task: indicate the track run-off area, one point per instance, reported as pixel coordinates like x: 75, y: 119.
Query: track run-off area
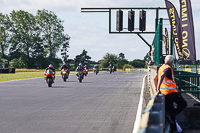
x: 103, y: 103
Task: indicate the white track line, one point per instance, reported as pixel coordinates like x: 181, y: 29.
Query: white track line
x: 139, y: 111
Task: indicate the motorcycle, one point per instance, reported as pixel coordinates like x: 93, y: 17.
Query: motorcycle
x: 85, y: 71
x: 64, y: 73
x: 111, y: 70
x: 80, y: 76
x: 96, y: 70
x: 49, y: 77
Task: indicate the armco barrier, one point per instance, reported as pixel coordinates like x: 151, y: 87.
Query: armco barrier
x: 153, y: 117
x: 7, y: 70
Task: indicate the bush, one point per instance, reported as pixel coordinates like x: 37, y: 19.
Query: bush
x: 137, y: 63
x: 121, y: 63
x: 18, y: 63
x: 127, y: 66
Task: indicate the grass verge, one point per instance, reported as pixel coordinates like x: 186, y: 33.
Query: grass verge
x: 24, y: 75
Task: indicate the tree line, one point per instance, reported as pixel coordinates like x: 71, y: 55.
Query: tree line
x: 120, y: 61
x: 32, y: 41
x: 117, y: 60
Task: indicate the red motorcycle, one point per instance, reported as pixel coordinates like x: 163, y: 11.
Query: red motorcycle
x: 64, y: 73
x: 85, y: 71
x: 49, y: 77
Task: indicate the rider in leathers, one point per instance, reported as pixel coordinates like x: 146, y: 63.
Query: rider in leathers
x: 51, y: 68
x: 95, y: 67
x: 79, y: 68
x: 110, y: 67
x: 65, y: 66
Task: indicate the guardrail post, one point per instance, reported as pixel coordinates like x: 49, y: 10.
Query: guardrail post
x: 155, y: 124
x: 160, y: 99
x: 156, y: 119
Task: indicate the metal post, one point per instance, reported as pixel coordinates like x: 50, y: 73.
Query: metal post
x: 156, y: 23
x: 160, y: 52
x: 145, y: 41
x: 171, y: 43
x: 196, y: 67
x: 172, y: 48
x: 109, y: 20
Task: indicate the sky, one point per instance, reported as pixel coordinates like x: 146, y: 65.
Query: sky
x: 90, y: 31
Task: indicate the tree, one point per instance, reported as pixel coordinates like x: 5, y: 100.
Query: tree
x: 18, y: 63
x: 64, y: 50
x: 23, y: 33
x: 31, y: 38
x: 121, y: 61
x: 52, y: 31
x: 137, y: 63
x: 108, y: 59
x: 5, y: 26
x: 82, y: 58
x: 39, y: 55
x: 121, y: 56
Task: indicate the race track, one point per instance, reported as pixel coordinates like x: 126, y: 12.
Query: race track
x: 103, y: 103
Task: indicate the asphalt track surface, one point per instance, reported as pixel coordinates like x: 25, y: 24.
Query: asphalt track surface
x: 103, y: 103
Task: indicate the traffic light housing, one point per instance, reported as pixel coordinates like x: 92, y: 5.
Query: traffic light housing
x: 119, y: 25
x: 131, y: 17
x: 142, y: 20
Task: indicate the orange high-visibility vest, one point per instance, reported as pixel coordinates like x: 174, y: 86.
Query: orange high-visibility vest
x: 167, y: 86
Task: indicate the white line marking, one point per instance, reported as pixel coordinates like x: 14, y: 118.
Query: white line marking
x: 139, y: 111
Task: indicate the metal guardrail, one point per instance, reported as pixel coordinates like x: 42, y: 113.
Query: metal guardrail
x: 188, y: 82
x: 153, y: 117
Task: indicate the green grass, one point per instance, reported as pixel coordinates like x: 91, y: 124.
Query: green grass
x: 24, y: 75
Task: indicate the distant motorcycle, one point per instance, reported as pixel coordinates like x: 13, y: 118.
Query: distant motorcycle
x: 64, y: 73
x: 96, y: 70
x: 111, y: 70
x: 80, y: 76
x: 85, y: 71
x: 49, y: 77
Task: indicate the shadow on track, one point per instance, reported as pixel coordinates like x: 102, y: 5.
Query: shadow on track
x: 59, y: 86
x: 70, y: 81
x: 85, y: 82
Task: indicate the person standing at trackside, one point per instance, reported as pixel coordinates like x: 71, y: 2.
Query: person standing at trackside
x: 167, y: 86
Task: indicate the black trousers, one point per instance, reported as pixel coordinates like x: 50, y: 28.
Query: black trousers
x: 174, y: 104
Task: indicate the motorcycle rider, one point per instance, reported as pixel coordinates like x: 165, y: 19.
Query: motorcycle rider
x: 110, y: 67
x: 113, y: 68
x: 65, y: 66
x: 86, y: 67
x: 50, y: 68
x: 85, y: 70
x: 79, y: 68
x: 96, y: 67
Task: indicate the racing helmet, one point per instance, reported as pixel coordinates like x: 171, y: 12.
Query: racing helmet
x: 50, y: 66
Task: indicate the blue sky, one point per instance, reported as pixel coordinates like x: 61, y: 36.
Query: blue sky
x: 89, y: 31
